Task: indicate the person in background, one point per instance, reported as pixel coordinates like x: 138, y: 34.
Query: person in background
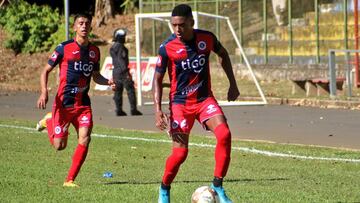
x: 121, y: 75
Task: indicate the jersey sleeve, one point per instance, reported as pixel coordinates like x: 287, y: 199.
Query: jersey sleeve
x: 162, y: 60
x: 217, y: 45
x: 56, y: 56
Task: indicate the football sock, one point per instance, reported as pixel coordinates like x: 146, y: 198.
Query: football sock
x: 222, y: 150
x: 173, y: 163
x: 77, y: 160
x: 50, y: 130
x: 217, y: 182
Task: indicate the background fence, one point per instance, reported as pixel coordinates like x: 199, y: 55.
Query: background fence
x: 271, y: 31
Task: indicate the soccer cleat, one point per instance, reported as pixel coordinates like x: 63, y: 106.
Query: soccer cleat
x: 70, y: 183
x: 221, y: 194
x: 164, y: 195
x: 136, y: 113
x: 41, y: 125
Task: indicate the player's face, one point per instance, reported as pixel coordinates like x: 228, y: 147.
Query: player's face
x: 183, y: 27
x: 82, y: 27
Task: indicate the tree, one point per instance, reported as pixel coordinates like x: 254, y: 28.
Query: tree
x: 104, y: 9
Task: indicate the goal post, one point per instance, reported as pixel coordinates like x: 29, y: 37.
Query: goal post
x: 165, y: 18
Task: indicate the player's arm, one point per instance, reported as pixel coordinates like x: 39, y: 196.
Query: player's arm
x: 160, y: 117
x: 43, y: 98
x: 225, y: 62
x: 101, y: 80
x: 161, y: 120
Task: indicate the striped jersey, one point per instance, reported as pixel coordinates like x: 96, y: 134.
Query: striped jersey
x: 76, y: 64
x: 188, y: 66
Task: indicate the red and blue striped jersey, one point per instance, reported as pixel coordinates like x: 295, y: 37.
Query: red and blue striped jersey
x: 76, y: 65
x: 188, y: 66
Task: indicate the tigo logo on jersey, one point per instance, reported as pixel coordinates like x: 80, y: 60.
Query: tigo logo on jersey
x: 85, y: 68
x: 202, y: 45
x: 211, y: 109
x: 196, y: 64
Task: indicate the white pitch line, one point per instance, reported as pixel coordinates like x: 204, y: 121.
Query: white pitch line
x: 244, y: 149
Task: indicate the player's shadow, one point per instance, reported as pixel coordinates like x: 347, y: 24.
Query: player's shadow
x: 195, y: 181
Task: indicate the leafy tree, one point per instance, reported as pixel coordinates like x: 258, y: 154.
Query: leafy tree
x: 29, y: 27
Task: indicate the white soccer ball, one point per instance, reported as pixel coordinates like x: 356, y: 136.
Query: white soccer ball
x: 204, y: 194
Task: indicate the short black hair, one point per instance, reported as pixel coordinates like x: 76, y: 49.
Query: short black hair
x: 183, y: 10
x: 83, y: 15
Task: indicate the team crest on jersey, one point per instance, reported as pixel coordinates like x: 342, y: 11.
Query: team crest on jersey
x: 174, y: 125
x: 202, y: 45
x: 92, y: 54
x: 57, y: 130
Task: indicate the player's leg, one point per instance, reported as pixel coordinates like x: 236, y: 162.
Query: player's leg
x: 222, y: 132
x: 172, y: 165
x: 118, y: 98
x: 180, y: 127
x: 130, y: 89
x: 57, y: 127
x: 213, y: 118
x: 83, y: 124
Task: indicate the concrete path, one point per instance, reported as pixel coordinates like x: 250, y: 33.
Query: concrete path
x: 275, y: 123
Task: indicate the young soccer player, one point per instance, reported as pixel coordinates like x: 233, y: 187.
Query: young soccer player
x: 185, y: 54
x: 78, y: 61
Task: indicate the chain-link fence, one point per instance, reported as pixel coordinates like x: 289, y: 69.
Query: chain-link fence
x: 271, y: 31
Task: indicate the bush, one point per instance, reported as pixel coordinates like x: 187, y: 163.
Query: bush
x: 31, y: 27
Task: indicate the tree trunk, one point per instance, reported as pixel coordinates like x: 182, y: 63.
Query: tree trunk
x: 104, y: 9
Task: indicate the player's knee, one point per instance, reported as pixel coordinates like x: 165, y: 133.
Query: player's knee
x: 59, y: 146
x: 85, y: 140
x: 223, y: 134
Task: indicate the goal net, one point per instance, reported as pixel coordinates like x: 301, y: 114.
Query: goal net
x: 218, y: 77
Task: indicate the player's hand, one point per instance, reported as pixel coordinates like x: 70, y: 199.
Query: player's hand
x: 112, y: 84
x: 42, y: 101
x: 233, y: 93
x: 161, y: 120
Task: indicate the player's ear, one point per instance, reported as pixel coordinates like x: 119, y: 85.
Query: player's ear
x: 192, y: 22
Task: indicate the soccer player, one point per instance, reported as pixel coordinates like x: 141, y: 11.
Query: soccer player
x: 121, y: 74
x: 78, y: 61
x: 185, y: 54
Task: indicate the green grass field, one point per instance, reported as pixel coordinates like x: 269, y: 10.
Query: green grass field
x: 31, y: 171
